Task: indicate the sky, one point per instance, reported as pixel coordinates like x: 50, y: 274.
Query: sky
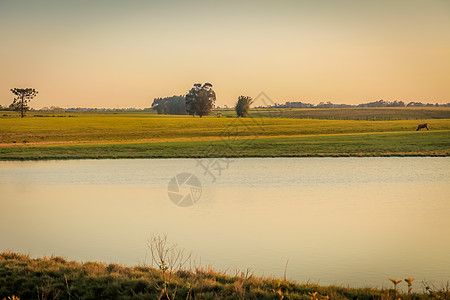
x: 111, y: 53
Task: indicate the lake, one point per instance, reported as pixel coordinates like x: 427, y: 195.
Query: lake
x: 346, y: 221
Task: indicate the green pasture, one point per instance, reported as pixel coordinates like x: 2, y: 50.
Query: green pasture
x: 145, y: 134
x: 371, y: 144
x: 101, y: 128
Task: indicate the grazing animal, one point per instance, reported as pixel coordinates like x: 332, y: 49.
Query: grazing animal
x: 425, y: 125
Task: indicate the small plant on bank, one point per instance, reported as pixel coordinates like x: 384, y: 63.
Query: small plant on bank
x: 317, y: 296
x: 435, y: 293
x: 409, y: 281
x: 395, y: 282
x: 278, y: 292
x: 313, y: 295
x: 169, y: 259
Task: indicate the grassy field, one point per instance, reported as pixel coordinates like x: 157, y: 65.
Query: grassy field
x: 57, y: 278
x: 368, y: 114
x: 372, y: 144
x: 146, y: 135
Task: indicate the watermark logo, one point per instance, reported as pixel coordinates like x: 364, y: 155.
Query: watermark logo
x: 240, y: 134
x: 184, y: 189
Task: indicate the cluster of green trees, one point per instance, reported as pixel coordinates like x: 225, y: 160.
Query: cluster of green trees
x: 198, y: 101
x: 175, y: 105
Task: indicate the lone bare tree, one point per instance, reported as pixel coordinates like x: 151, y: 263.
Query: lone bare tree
x: 200, y: 99
x: 23, y: 96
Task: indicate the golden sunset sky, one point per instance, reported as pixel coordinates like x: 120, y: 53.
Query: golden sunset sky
x: 99, y: 53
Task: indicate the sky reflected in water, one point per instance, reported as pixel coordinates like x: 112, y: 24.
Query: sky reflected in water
x: 344, y: 221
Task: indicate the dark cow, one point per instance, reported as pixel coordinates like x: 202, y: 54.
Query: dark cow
x: 425, y: 125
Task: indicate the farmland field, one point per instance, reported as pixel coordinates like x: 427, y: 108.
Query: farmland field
x: 356, y: 113
x: 145, y: 134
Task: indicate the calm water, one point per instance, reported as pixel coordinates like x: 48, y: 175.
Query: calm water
x: 337, y: 220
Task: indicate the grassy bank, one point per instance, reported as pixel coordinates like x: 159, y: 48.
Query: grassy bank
x: 145, y: 135
x: 57, y: 278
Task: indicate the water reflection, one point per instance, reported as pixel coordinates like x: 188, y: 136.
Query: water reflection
x: 338, y: 221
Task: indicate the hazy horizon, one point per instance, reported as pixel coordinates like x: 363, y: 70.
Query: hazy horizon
x: 125, y: 54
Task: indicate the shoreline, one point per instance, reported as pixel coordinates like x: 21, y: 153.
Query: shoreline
x: 218, y: 157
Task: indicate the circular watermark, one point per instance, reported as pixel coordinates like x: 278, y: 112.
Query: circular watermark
x: 184, y: 189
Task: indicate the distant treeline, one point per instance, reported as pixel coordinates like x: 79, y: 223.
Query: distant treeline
x: 379, y: 103
x: 10, y: 108
x: 176, y: 105
x: 57, y: 109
